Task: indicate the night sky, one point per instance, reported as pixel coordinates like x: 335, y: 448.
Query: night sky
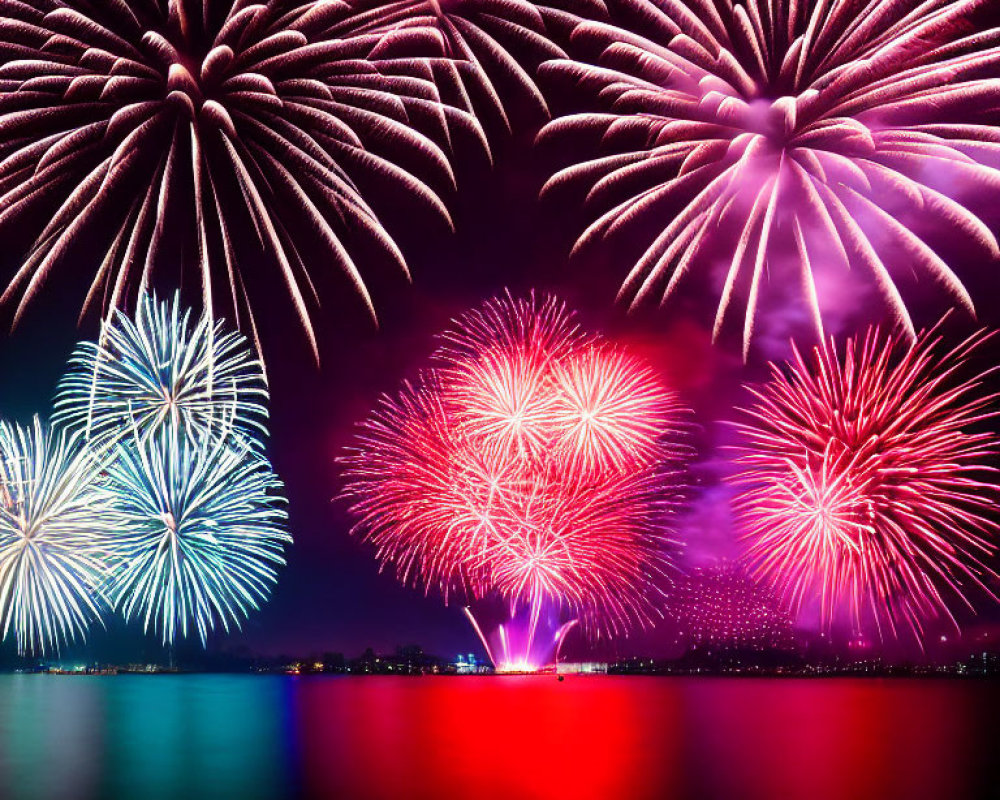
x: 330, y: 596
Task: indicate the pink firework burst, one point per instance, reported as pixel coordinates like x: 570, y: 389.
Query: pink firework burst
x: 532, y: 463
x: 797, y: 138
x: 866, y: 483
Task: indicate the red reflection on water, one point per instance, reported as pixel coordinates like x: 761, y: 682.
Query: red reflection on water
x: 605, y: 738
x: 829, y: 740
x: 510, y: 737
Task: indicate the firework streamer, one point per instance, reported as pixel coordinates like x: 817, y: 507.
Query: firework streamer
x: 162, y: 127
x: 490, y: 48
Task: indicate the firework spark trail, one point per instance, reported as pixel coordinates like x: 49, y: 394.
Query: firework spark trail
x: 816, y: 135
x: 477, y: 480
x: 227, y: 117
x: 54, y: 531
x: 489, y: 47
x: 163, y: 369
x: 866, y: 484
x: 199, y: 531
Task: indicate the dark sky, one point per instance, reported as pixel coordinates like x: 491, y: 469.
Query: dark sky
x: 331, y: 597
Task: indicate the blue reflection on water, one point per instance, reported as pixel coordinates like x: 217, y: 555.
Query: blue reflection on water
x: 50, y: 737
x: 154, y: 737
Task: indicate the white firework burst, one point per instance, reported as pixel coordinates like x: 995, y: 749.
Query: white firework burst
x: 163, y: 369
x: 199, y: 532
x: 159, y: 128
x: 53, y: 531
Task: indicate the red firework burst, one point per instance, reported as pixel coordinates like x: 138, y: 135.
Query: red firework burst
x: 531, y: 463
x: 598, y: 413
x: 865, y: 483
x: 796, y: 136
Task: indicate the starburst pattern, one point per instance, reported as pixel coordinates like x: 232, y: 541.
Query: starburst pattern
x: 477, y: 479
x: 199, y: 532
x: 163, y: 369
x: 161, y: 127
x: 790, y: 139
x: 599, y: 412
x: 53, y: 537
x: 867, y: 483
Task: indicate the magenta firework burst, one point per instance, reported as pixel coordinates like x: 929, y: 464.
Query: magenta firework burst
x: 533, y: 463
x: 158, y: 128
x: 866, y: 480
x: 791, y: 138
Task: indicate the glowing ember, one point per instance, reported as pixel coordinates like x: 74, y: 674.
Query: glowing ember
x: 722, y: 608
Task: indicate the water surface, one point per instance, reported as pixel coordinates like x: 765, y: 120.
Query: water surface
x: 166, y: 736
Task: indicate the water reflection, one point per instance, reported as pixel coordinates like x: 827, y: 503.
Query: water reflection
x: 511, y: 737
x: 50, y: 737
x: 152, y: 737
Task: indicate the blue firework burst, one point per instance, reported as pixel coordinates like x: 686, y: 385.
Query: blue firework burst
x: 162, y: 368
x: 200, y: 531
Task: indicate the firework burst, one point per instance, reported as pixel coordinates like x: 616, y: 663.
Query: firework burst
x: 160, y: 127
x: 199, y: 531
x: 797, y: 138
x: 163, y: 369
x: 53, y: 536
x: 484, y: 479
x: 865, y: 484
x: 599, y: 413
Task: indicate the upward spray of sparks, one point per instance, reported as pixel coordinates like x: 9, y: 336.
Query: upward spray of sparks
x: 532, y: 463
